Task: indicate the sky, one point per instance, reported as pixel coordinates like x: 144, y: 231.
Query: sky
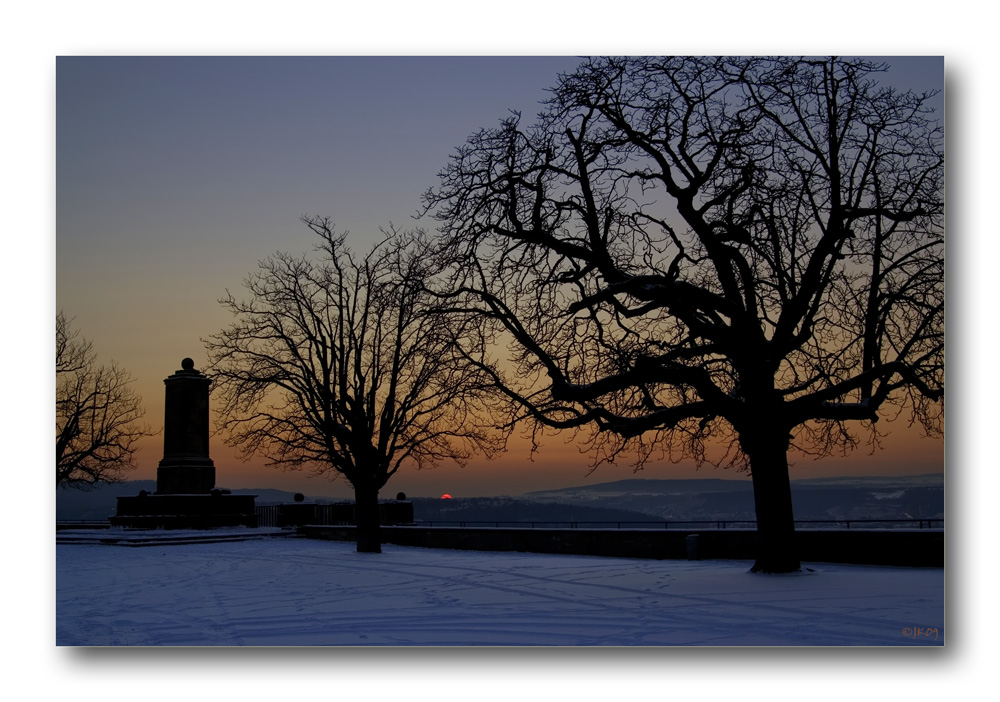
x: 176, y: 175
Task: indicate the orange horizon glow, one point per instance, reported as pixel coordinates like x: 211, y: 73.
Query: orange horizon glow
x: 556, y: 464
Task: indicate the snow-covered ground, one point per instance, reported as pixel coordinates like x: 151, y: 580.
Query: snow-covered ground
x: 299, y: 592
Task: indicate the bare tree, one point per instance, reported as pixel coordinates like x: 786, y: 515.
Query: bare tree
x: 97, y: 414
x: 724, y: 259
x: 343, y: 365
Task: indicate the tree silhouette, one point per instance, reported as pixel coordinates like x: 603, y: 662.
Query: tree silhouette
x: 97, y: 414
x: 692, y: 254
x: 343, y: 365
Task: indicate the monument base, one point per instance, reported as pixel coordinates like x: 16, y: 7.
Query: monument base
x: 185, y: 476
x: 185, y: 511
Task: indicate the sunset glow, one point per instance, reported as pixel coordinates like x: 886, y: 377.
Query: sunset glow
x: 176, y: 175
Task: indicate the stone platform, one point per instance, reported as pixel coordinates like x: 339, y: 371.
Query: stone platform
x: 185, y: 511
x: 116, y: 536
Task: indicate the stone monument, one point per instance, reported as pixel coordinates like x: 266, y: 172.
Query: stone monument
x: 186, y: 497
x: 185, y: 468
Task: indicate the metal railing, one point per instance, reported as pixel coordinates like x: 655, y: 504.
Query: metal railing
x: 62, y: 524
x: 325, y: 515
x: 268, y: 516
x: 687, y: 524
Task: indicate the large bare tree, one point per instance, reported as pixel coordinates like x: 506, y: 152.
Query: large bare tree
x: 97, y: 414
x: 692, y: 255
x: 343, y: 365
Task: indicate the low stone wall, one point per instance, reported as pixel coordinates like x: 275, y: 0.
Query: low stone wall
x: 917, y: 547
x: 207, y: 511
x: 871, y: 547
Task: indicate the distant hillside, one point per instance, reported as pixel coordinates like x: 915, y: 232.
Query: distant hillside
x: 919, y: 496
x: 96, y: 503
x: 904, y: 497
x: 511, y: 509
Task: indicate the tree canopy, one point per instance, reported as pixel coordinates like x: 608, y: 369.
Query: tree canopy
x: 97, y: 414
x: 696, y: 250
x: 341, y: 364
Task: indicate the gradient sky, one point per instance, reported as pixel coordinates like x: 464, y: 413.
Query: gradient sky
x: 176, y: 175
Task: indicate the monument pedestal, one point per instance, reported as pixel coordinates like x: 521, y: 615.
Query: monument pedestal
x: 185, y: 497
x: 182, y: 475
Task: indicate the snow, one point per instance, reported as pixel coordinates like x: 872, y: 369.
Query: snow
x: 302, y: 592
x: 888, y: 495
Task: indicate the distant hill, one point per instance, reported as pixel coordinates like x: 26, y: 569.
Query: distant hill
x: 96, y: 503
x: 695, y: 499
x: 879, y: 497
x: 513, y: 509
x: 906, y: 497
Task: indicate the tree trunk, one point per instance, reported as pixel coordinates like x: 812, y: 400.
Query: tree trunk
x: 366, y: 514
x: 777, y: 550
